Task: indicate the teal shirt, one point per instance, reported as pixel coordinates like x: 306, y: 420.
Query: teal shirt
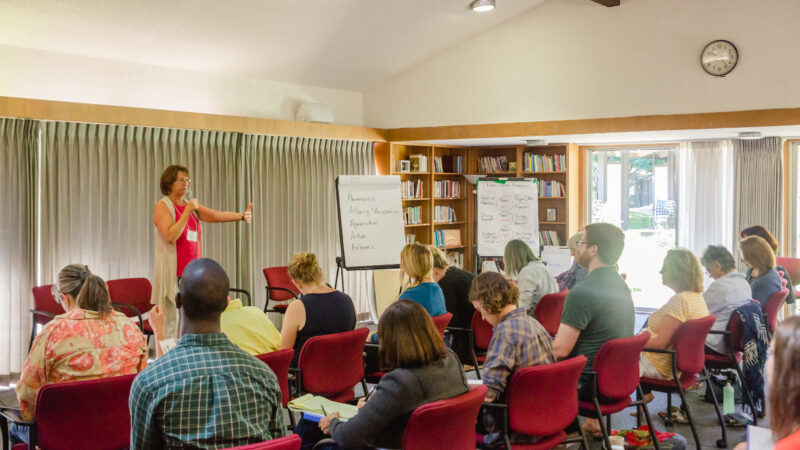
x: 429, y: 295
x: 600, y: 307
x: 205, y: 393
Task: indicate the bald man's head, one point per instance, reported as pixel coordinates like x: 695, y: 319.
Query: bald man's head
x: 204, y: 290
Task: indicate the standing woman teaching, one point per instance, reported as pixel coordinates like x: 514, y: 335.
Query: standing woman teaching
x: 177, y: 222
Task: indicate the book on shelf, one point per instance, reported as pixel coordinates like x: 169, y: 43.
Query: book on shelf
x: 412, y: 215
x: 413, y: 189
x: 411, y: 238
x: 443, y: 214
x: 419, y: 163
x: 447, y: 164
x: 446, y: 189
x: 447, y: 238
x: 456, y: 259
x: 491, y: 164
x: 548, y: 237
x: 544, y: 163
x: 551, y: 188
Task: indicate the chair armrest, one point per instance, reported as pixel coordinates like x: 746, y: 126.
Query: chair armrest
x: 270, y: 288
x: 495, y: 405
x: 370, y: 344
x: 37, y: 312
x: 668, y: 351
x: 133, y: 309
x: 722, y: 332
x: 593, y: 377
x: 460, y: 330
x: 245, y: 292
x: 12, y: 415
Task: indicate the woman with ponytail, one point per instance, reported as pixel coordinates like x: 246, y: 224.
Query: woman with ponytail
x: 89, y: 341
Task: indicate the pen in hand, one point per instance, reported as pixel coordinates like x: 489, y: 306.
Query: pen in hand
x: 323, y: 410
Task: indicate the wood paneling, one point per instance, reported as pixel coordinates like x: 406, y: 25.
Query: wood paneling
x: 121, y: 115
x: 607, y: 2
x: 787, y: 198
x: 733, y: 119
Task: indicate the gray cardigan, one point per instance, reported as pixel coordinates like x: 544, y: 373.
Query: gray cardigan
x: 380, y: 423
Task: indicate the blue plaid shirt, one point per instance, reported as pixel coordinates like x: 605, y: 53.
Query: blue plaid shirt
x: 205, y: 393
x: 518, y: 341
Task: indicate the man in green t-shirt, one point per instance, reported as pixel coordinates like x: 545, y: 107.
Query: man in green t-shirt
x: 598, y: 309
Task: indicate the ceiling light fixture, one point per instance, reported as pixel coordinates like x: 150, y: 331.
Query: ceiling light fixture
x: 482, y: 5
x: 750, y: 135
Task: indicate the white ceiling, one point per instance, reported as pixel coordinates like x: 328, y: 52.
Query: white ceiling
x: 343, y: 44
x: 628, y: 138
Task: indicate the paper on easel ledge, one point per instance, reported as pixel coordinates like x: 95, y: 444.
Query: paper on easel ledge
x: 490, y: 266
x: 557, y: 259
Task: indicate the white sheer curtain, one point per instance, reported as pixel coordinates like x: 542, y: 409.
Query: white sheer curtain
x: 706, y: 193
x: 293, y: 184
x: 18, y: 146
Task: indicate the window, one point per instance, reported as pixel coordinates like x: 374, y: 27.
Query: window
x: 634, y: 188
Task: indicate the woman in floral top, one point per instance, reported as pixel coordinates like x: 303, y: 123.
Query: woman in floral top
x: 89, y: 341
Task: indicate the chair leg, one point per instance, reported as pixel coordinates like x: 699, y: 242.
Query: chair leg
x: 746, y: 390
x: 668, y: 420
x: 646, y: 412
x: 688, y: 415
x: 584, y: 442
x: 603, y: 430
x: 475, y: 362
x: 364, y: 385
x: 292, y: 420
x: 722, y: 443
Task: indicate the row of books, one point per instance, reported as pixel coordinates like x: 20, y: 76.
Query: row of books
x: 419, y: 163
x: 456, y: 259
x: 411, y: 238
x: 549, y: 237
x: 491, y: 164
x: 552, y: 189
x: 544, y: 163
x: 446, y: 189
x: 443, y: 214
x: 413, y: 189
x: 447, y: 164
x: 447, y: 238
x: 412, y: 215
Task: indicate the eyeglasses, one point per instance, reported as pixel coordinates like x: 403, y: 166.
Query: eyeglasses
x: 588, y: 244
x: 184, y: 180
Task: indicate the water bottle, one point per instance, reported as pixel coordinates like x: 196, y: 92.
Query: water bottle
x: 728, y: 406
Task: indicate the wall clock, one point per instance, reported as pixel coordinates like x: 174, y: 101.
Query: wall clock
x: 719, y: 58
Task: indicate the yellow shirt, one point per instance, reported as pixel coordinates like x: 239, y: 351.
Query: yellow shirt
x: 682, y: 306
x: 249, y: 328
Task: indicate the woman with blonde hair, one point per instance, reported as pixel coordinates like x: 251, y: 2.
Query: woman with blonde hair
x: 532, y: 277
x: 682, y: 273
x: 89, y: 341
x: 320, y: 310
x: 761, y: 274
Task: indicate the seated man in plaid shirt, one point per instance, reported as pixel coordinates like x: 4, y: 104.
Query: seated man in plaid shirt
x: 206, y: 392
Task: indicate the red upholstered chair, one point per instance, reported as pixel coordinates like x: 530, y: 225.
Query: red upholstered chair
x: 773, y: 307
x: 45, y: 307
x: 735, y: 337
x: 455, y: 420
x: 548, y: 311
x: 688, y: 362
x: 614, y: 377
x: 290, y: 442
x: 134, y: 292
x: 332, y: 364
x: 542, y: 401
x: 280, y: 289
x: 66, y: 414
x: 792, y: 266
x: 279, y: 362
x: 441, y: 321
x: 480, y: 334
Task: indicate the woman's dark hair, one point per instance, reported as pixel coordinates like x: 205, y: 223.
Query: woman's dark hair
x: 408, y: 337
x: 784, y: 392
x: 763, y: 233
x: 494, y: 292
x: 169, y: 176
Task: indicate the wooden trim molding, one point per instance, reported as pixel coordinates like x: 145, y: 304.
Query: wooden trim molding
x: 787, y: 197
x: 123, y: 115
x: 731, y: 119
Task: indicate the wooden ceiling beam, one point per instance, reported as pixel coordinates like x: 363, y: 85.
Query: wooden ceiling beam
x: 607, y: 2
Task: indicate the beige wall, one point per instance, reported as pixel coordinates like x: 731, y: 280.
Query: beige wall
x: 574, y: 59
x: 44, y: 75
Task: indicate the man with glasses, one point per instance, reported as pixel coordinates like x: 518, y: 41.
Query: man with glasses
x: 729, y: 291
x: 598, y: 309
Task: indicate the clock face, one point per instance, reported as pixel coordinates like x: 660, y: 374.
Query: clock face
x: 719, y: 58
